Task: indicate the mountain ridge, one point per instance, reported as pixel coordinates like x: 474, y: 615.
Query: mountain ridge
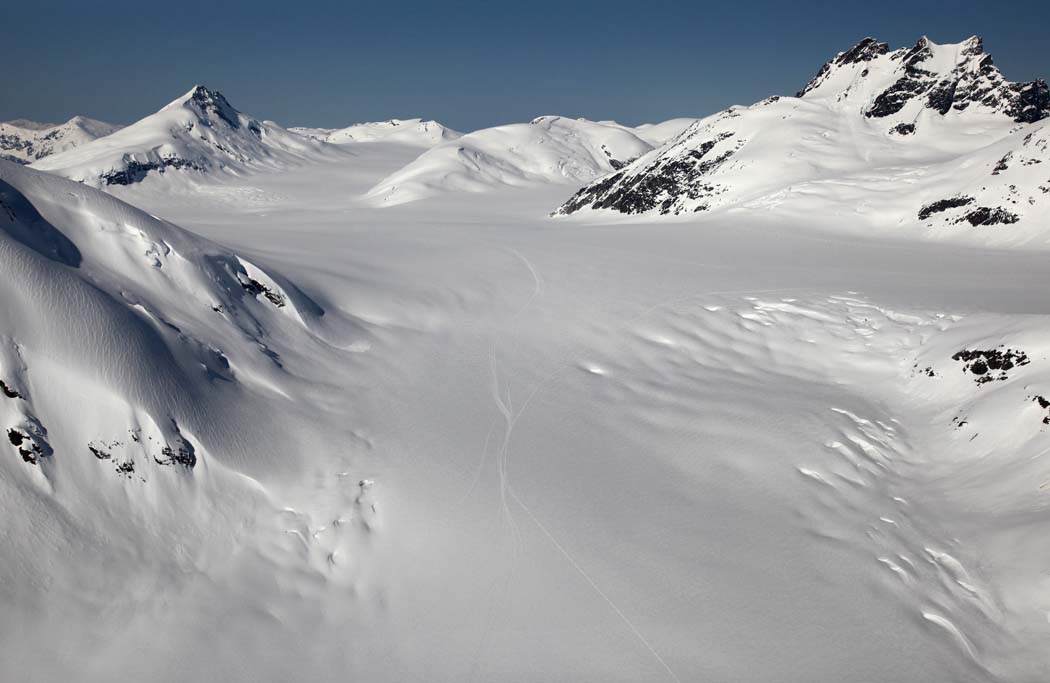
x: 909, y: 128
x: 199, y: 132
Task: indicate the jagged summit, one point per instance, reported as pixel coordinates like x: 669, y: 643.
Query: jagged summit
x: 200, y: 132
x: 209, y: 104
x: 941, y: 78
x: 934, y: 132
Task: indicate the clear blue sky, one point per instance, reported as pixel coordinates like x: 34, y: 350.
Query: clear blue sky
x: 469, y: 64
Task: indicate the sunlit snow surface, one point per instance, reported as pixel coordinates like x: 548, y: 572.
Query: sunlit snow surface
x: 480, y: 444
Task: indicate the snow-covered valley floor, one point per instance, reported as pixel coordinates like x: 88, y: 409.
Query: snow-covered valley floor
x: 517, y: 448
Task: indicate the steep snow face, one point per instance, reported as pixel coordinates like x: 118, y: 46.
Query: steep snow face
x: 147, y: 323
x: 414, y: 132
x: 858, y: 137
x: 198, y: 133
x: 25, y: 141
x: 550, y: 149
x: 131, y: 352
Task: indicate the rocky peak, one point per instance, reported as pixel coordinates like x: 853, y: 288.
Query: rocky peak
x: 864, y: 51
x: 942, y: 78
x: 973, y: 46
x: 211, y: 102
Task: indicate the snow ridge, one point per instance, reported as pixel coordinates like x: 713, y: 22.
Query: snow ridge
x: 414, y: 132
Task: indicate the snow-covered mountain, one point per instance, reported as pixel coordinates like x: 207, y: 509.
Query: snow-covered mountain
x: 414, y: 132
x: 25, y: 141
x: 199, y: 132
x: 550, y: 149
x: 930, y: 133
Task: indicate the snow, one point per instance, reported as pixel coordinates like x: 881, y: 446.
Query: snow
x: 415, y: 132
x: 197, y: 134
x: 455, y: 438
x: 27, y: 141
x: 550, y: 149
x: 828, y: 155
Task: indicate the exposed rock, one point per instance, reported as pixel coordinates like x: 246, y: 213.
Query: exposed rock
x: 864, y: 51
x: 658, y: 185
x: 255, y: 288
x: 989, y: 216
x: 8, y: 391
x: 992, y: 364
x: 136, y: 171
x: 943, y: 205
x: 28, y: 448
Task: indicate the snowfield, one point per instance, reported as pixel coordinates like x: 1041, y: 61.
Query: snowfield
x: 368, y: 411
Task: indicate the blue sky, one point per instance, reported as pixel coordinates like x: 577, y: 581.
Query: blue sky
x: 468, y: 64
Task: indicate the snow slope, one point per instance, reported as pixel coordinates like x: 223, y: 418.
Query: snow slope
x: 199, y: 133
x: 550, y: 149
x: 511, y: 449
x: 657, y: 134
x: 28, y: 141
x: 893, y: 131
x: 415, y: 132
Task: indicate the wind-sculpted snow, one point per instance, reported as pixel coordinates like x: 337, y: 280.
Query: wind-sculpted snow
x: 199, y: 133
x: 550, y: 149
x: 153, y: 331
x: 414, y: 132
x: 470, y: 444
x: 905, y: 131
x: 27, y: 141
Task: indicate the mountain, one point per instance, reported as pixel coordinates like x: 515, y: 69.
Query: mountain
x: 24, y: 141
x: 199, y: 133
x: 550, y: 149
x: 931, y: 134
x: 414, y: 132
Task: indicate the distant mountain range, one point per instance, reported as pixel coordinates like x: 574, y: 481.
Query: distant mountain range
x: 199, y: 132
x: 24, y: 141
x: 414, y: 132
